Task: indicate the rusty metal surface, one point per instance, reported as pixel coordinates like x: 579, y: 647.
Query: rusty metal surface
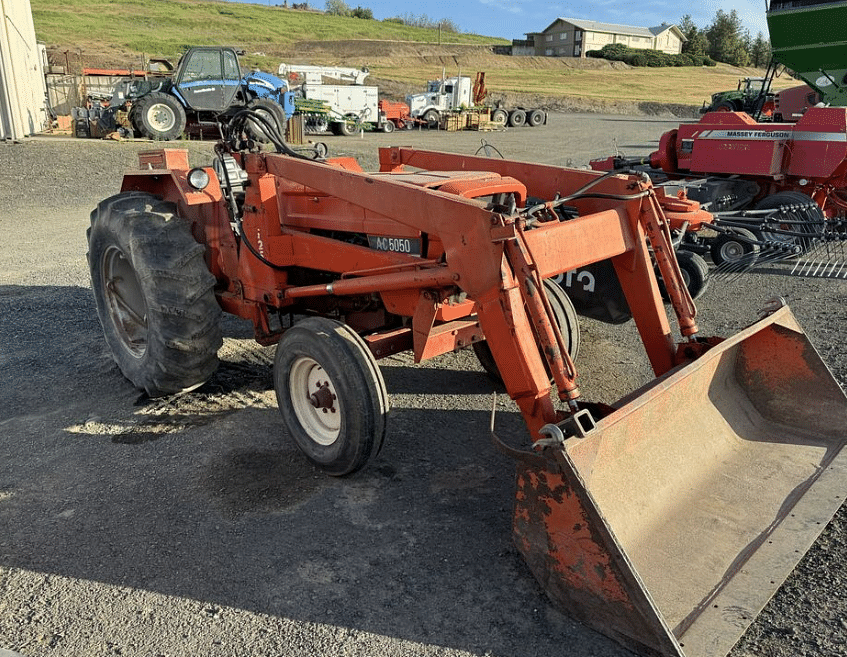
x: 688, y: 507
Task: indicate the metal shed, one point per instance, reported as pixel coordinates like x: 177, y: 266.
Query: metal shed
x: 23, y: 110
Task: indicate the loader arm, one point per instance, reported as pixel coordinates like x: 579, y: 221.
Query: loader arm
x: 500, y: 264
x: 608, y: 228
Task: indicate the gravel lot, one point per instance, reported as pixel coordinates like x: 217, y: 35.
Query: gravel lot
x: 191, y: 526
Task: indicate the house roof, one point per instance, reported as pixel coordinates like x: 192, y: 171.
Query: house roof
x: 595, y: 26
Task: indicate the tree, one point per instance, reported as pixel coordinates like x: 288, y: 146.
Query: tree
x: 447, y: 25
x: 697, y: 44
x: 337, y: 8
x: 760, y: 51
x: 362, y: 12
x: 726, y: 39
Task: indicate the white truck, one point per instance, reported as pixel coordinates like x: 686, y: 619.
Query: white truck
x: 457, y: 93
x: 350, y: 104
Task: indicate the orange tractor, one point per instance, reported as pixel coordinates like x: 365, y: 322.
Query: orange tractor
x: 665, y: 519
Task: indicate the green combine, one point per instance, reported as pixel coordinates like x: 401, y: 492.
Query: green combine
x: 810, y: 38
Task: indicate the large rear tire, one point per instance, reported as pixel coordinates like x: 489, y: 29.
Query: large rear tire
x: 271, y: 112
x: 155, y: 295
x: 331, y: 394
x: 158, y: 116
x: 500, y: 116
x: 535, y: 118
x: 566, y: 318
x: 345, y: 128
x: 517, y: 118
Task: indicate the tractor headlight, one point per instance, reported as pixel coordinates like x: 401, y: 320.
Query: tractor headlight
x: 198, y: 179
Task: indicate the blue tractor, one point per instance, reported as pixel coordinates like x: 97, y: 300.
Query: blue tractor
x: 206, y: 88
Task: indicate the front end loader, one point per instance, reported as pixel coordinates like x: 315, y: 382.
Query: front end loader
x: 665, y: 520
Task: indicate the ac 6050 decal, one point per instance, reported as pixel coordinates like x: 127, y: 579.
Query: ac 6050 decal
x: 408, y: 245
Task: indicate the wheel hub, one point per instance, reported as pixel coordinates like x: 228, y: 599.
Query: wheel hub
x: 732, y: 251
x: 161, y: 117
x: 323, y: 398
x: 314, y: 399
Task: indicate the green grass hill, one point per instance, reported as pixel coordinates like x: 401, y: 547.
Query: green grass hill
x: 122, y: 33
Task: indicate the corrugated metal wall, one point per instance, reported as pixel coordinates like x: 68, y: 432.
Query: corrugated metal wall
x: 22, y: 87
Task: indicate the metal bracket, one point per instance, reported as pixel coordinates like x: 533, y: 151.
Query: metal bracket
x: 577, y: 425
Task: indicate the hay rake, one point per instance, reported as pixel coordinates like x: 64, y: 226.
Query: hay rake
x: 798, y: 232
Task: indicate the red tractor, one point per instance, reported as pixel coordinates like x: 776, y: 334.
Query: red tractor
x: 665, y: 519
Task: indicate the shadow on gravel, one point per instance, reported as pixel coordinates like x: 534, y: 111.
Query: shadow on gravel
x: 52, y: 349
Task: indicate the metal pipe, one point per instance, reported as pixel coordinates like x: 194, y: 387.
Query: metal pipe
x: 372, y: 284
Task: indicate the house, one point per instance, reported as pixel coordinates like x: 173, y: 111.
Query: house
x: 572, y: 37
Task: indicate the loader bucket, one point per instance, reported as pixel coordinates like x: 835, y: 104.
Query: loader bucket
x: 670, y: 525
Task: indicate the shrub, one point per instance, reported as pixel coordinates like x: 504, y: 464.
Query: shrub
x: 618, y: 52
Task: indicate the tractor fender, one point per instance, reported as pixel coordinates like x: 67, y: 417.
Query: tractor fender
x: 173, y: 91
x: 206, y: 209
x: 165, y: 173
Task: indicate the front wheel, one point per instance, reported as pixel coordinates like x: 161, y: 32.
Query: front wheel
x: 155, y: 296
x: 432, y: 119
x: 331, y: 394
x: 158, y: 116
x: 388, y: 127
x: 695, y: 275
x: 725, y: 106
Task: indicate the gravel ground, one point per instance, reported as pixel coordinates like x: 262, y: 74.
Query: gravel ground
x: 189, y: 525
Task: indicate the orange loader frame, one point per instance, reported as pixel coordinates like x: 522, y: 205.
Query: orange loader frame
x: 666, y: 520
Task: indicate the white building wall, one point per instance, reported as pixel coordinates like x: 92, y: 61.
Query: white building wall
x: 22, y: 84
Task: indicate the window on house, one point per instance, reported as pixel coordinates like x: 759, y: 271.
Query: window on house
x: 549, y: 37
x: 548, y: 52
x: 577, y: 36
x: 563, y: 36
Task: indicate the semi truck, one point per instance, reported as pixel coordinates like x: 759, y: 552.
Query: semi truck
x: 456, y: 94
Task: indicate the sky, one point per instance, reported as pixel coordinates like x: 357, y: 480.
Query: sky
x: 512, y: 19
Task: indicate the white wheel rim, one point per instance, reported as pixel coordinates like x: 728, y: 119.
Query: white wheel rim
x: 161, y: 117
x: 125, y: 301
x: 315, y: 401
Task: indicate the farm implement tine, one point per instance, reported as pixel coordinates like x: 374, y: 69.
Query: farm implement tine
x: 826, y: 257
x: 670, y: 531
